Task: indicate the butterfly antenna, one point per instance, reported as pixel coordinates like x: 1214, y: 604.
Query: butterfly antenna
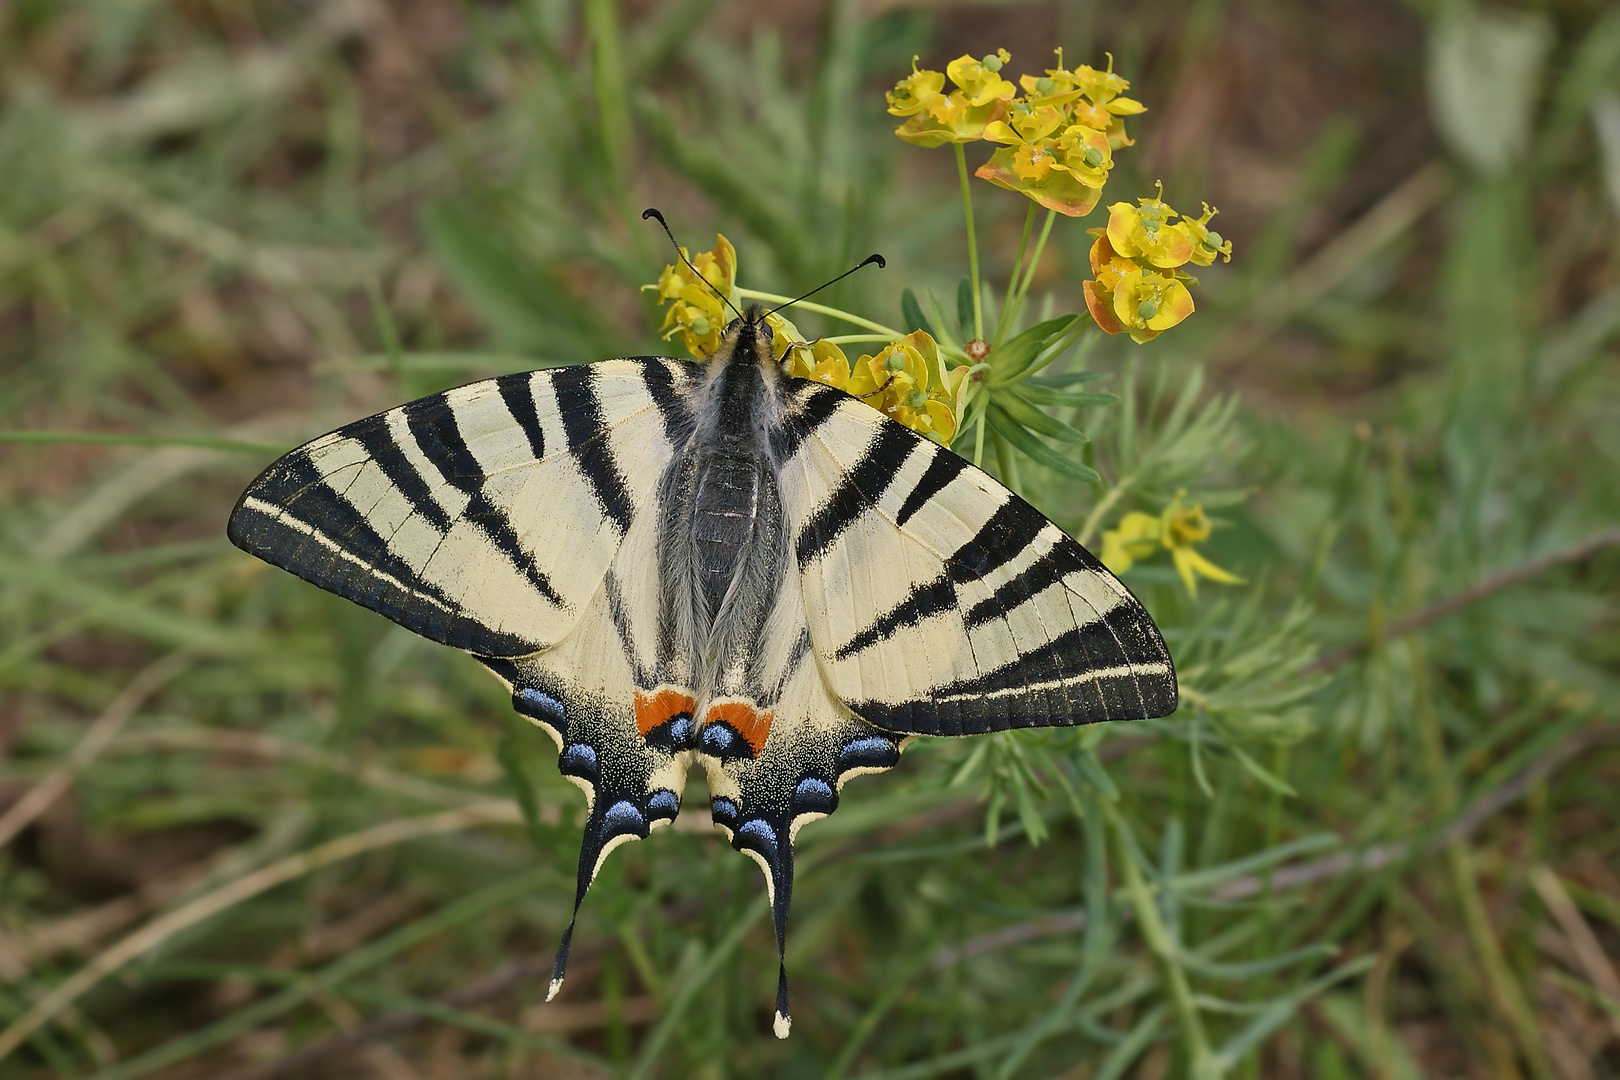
x: 868, y: 261
x: 652, y: 212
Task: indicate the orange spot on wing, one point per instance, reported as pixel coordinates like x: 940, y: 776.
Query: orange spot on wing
x: 749, y: 722
x: 665, y: 704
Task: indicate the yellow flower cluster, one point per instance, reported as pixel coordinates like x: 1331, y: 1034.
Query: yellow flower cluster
x: 1057, y: 139
x: 905, y: 381
x: 696, y: 313
x: 1176, y: 530
x: 1138, y: 287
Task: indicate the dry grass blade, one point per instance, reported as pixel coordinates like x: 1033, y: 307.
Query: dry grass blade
x: 106, y: 727
x: 1486, y: 587
x: 1588, y: 950
x: 244, y: 888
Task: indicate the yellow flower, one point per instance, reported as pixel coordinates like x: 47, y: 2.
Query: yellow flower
x: 787, y: 342
x: 1207, y: 243
x: 696, y: 313
x: 1146, y: 231
x: 1063, y: 173
x: 1136, y: 538
x: 1026, y: 124
x: 1087, y: 155
x: 822, y: 361
x: 1148, y: 303
x: 913, y: 93
x: 962, y: 115
x: 980, y: 80
x: 899, y: 384
x: 1103, y: 88
x: 1176, y: 530
x: 1182, y: 527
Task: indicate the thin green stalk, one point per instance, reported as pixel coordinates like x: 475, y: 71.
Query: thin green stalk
x: 1201, y: 1059
x: 889, y: 332
x: 699, y: 978
x: 1005, y: 320
x: 1016, y: 304
x: 978, y: 438
x: 386, y: 328
x: 114, y: 438
x: 1501, y: 983
x: 973, y: 241
x: 856, y: 339
x: 1106, y: 503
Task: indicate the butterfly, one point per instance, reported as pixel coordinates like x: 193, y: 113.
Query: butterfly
x: 713, y: 565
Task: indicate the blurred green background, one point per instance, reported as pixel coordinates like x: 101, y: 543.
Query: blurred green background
x: 252, y: 831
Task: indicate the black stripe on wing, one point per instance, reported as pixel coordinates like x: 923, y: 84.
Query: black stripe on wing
x: 857, y: 492
x: 432, y: 423
x: 942, y: 469
x: 1003, y: 538
x: 807, y: 410
x: 333, y: 546
x: 1114, y: 668
x: 586, y: 431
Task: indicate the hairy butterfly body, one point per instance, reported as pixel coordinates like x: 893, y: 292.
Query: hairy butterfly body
x: 713, y: 565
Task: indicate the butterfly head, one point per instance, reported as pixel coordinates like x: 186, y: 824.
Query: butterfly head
x: 747, y: 339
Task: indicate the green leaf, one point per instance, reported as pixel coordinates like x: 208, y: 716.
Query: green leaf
x: 1043, y: 395
x: 912, y: 317
x: 505, y: 283
x: 1016, y: 356
x: 511, y: 760
x: 1033, y: 418
x: 964, y: 308
x: 1057, y: 382
x: 1032, y: 447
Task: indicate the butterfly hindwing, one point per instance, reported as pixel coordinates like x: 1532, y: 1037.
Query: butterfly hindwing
x: 941, y: 603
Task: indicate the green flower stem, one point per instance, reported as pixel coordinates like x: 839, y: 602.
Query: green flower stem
x: 821, y: 309
x: 973, y: 241
x: 1005, y: 320
x: 1201, y: 1059
x: 856, y: 339
x: 1088, y: 531
x: 1015, y: 304
x: 113, y: 438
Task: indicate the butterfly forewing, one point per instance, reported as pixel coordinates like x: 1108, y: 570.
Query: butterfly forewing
x: 484, y: 517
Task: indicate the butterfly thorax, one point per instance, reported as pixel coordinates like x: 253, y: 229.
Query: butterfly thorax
x: 722, y: 546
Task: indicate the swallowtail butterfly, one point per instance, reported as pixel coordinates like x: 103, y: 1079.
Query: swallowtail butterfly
x: 713, y: 565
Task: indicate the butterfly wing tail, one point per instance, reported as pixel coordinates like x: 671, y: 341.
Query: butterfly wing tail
x: 762, y: 803
x: 630, y: 787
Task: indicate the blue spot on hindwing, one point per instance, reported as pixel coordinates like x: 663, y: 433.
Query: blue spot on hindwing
x: 539, y: 705
x: 716, y: 739
x: 662, y: 805
x: 815, y: 796
x: 724, y: 811
x: 673, y: 735
x: 621, y: 818
x: 578, y: 759
x: 757, y: 834
x: 869, y: 752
